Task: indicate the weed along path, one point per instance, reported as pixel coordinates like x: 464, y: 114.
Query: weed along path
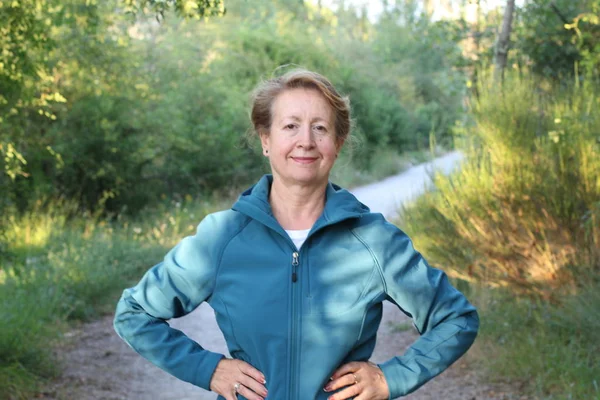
x: 98, y: 365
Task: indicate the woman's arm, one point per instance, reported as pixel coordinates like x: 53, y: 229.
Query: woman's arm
x: 447, y: 322
x: 172, y: 288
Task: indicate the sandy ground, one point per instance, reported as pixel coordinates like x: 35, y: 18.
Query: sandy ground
x: 99, y: 365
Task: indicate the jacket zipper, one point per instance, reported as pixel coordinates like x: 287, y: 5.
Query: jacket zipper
x: 295, y: 288
x: 295, y: 263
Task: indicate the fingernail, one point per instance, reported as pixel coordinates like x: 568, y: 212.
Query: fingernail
x: 327, y: 388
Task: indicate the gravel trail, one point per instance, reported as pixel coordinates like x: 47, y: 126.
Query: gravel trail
x: 99, y: 365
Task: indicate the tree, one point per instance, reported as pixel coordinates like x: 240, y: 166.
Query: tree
x: 503, y: 44
x: 28, y: 77
x: 185, y: 8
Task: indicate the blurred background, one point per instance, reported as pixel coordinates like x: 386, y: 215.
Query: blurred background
x: 123, y: 122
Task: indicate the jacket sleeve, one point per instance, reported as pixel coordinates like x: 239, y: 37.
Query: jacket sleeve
x: 173, y: 288
x: 447, y: 322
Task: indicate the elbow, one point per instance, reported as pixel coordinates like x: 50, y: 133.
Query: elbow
x: 120, y: 319
x: 471, y: 327
x: 127, y: 315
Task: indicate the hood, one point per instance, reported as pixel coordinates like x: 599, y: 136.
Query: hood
x: 339, y: 205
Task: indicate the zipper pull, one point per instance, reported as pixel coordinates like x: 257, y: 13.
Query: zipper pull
x: 295, y: 263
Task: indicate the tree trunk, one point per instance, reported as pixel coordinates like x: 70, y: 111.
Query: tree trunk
x: 503, y: 44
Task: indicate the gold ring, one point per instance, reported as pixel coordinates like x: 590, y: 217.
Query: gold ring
x: 355, y: 379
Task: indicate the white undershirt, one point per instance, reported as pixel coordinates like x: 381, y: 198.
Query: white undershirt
x: 298, y: 236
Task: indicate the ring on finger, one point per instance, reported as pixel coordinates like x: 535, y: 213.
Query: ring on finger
x: 236, y: 387
x: 355, y: 379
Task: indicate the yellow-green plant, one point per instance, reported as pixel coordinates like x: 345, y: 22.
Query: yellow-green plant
x: 523, y: 209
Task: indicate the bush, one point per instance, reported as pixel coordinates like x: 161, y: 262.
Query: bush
x: 550, y: 348
x: 523, y: 209
x: 76, y: 268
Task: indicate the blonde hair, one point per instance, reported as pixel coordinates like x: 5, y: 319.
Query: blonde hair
x: 266, y: 92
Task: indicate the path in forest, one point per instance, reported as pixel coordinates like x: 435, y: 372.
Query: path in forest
x: 99, y: 365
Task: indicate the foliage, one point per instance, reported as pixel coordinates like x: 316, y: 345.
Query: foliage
x: 185, y: 8
x: 55, y: 53
x: 522, y: 211
x: 587, y: 28
x: 137, y: 110
x: 549, y: 350
x: 544, y: 41
x: 76, y: 268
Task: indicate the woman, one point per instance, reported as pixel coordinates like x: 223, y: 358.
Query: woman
x: 296, y: 272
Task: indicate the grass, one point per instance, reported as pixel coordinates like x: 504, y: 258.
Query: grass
x: 549, y: 349
x: 519, y: 224
x: 60, y: 269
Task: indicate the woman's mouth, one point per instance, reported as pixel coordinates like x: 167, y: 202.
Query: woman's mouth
x: 304, y: 160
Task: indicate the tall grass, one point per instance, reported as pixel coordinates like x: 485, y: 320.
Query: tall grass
x: 525, y: 207
x: 59, y: 268
x: 549, y: 350
x: 522, y: 216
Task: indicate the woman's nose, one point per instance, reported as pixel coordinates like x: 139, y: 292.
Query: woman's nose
x: 306, y: 138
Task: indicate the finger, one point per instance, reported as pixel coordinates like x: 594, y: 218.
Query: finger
x: 348, y: 393
x: 342, y: 381
x: 253, y: 385
x: 253, y: 378
x: 346, y: 369
x: 249, y: 394
x: 252, y: 372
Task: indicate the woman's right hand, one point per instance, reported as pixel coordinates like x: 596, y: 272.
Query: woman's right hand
x: 231, y: 372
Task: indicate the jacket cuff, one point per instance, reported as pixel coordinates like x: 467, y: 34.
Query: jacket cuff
x: 392, y: 370
x: 206, y: 369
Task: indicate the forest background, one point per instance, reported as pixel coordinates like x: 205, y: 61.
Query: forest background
x: 123, y: 122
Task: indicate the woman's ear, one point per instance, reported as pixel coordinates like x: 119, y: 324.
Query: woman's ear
x: 264, y: 142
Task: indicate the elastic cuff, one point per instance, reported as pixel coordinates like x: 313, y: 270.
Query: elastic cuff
x: 394, y: 380
x: 207, y: 369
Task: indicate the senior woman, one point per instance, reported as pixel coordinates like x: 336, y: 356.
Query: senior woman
x: 296, y: 273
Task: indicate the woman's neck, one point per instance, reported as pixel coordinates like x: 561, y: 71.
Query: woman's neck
x: 296, y: 207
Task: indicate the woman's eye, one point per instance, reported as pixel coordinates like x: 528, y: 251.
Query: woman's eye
x: 321, y: 128
x: 290, y: 126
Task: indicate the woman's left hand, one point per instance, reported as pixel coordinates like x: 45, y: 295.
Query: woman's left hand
x: 361, y: 380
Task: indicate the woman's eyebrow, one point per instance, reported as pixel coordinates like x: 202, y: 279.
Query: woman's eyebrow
x: 296, y: 118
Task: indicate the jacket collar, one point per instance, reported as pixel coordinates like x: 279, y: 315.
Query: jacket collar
x: 339, y: 205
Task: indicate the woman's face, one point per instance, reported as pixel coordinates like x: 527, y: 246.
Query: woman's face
x: 302, y: 144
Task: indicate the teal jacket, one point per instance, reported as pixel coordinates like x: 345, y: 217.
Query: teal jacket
x: 297, y: 315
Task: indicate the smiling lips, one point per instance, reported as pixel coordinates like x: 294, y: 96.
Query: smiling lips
x: 304, y: 160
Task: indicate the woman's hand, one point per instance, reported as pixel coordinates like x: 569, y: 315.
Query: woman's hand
x: 230, y: 373
x: 362, y: 381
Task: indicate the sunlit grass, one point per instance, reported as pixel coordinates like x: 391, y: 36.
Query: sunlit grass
x: 551, y: 348
x: 520, y: 221
x: 59, y: 267
x: 523, y: 209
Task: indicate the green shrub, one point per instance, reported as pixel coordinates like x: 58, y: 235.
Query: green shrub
x: 551, y: 348
x: 520, y: 221
x: 58, y: 269
x: 522, y: 210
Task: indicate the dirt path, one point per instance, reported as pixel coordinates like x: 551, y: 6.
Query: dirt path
x: 99, y: 365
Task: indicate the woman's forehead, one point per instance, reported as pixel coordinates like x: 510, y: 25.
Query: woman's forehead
x: 300, y: 103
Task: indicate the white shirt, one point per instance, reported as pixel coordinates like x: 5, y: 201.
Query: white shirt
x: 298, y: 236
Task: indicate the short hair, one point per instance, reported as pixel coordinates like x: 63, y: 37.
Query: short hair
x: 267, y: 91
